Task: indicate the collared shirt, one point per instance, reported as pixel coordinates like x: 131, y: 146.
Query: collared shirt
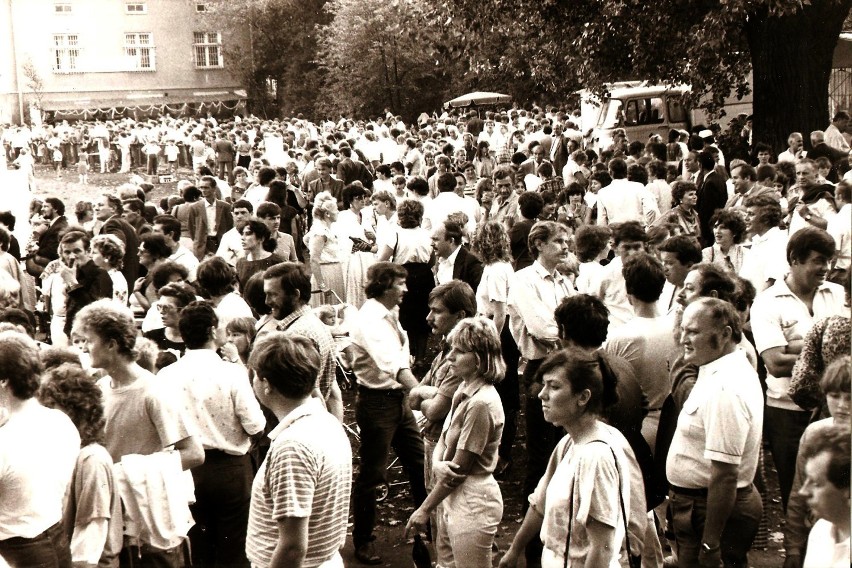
x: 778, y: 317
x: 185, y: 258
x: 475, y: 424
x: 767, y: 259
x: 210, y: 211
x: 613, y: 292
x: 219, y: 405
x: 533, y: 297
x: 447, y: 203
x: 732, y: 262
x: 304, y: 322
x: 445, y: 267
x: 721, y: 420
x: 307, y: 474
x: 380, y: 345
x: 623, y: 201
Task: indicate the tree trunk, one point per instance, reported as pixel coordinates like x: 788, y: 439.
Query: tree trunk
x: 791, y: 59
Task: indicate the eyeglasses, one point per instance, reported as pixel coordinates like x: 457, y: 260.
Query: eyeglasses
x: 166, y: 309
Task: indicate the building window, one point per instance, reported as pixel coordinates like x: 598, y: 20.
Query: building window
x: 66, y: 51
x: 136, y: 8
x: 62, y: 8
x: 208, y: 49
x: 139, y: 51
x: 200, y: 7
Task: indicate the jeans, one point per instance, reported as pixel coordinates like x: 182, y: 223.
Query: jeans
x: 689, y: 513
x: 148, y: 557
x: 223, y: 495
x: 783, y: 430
x: 385, y: 421
x: 50, y: 549
x: 469, y: 517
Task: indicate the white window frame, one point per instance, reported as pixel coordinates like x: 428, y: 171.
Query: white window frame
x: 66, y: 53
x: 207, y: 47
x: 135, y: 8
x: 139, y: 51
x: 62, y: 8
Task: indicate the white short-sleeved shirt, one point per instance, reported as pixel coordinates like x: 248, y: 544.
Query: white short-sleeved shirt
x: 767, y: 259
x: 778, y: 317
x: 721, y: 420
x: 493, y: 287
x: 824, y: 550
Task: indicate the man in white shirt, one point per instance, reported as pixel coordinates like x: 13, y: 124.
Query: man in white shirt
x: 624, y: 200
x: 224, y: 414
x: 169, y: 227
x: 767, y: 262
x: 448, y: 202
x: 834, y: 133
x: 715, y: 449
x: 646, y: 341
x: 382, y: 370
x: 454, y: 261
x: 231, y: 243
x: 780, y: 318
x: 840, y: 228
x: 629, y: 238
x: 794, y: 152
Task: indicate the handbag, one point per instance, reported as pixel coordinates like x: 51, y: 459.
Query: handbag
x: 633, y: 561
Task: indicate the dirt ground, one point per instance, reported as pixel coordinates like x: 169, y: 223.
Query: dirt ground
x: 395, y: 510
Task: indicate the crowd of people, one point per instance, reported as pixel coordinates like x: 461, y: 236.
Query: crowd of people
x: 658, y: 314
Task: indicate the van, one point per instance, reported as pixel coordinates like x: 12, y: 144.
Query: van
x: 643, y: 110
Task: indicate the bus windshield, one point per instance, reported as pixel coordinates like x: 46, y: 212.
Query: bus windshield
x: 611, y: 115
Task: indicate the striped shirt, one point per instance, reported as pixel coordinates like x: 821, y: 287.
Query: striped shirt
x: 307, y: 473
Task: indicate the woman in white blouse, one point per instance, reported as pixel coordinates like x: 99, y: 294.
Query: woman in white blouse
x: 326, y: 266
x: 728, y: 231
x: 492, y: 246
x: 350, y: 227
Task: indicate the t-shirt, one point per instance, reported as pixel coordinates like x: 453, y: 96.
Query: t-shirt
x: 493, y: 287
x: 824, y: 550
x: 140, y: 418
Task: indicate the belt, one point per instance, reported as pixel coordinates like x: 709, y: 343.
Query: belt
x: 19, y: 540
x: 701, y: 491
x: 380, y: 392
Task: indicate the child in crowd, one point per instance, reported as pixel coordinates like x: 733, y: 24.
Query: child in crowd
x: 83, y: 167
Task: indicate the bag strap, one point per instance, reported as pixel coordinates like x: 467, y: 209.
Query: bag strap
x: 630, y: 558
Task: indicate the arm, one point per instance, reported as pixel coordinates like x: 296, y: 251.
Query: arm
x: 601, y: 546
x: 406, y: 378
x: 537, y: 317
x: 530, y: 529
x: 721, y: 496
x: 778, y: 362
x: 460, y: 465
x: 292, y: 543
x: 334, y: 402
x: 804, y: 385
x: 87, y: 542
x: 437, y: 408
x: 191, y: 452
x: 499, y: 309
x: 316, y: 245
x: 385, y: 254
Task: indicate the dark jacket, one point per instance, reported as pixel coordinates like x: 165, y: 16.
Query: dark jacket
x: 48, y: 242
x: 712, y: 195
x: 125, y: 232
x: 93, y: 283
x: 467, y: 268
x: 348, y: 170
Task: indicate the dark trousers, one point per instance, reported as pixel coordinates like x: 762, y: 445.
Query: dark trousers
x: 689, y: 513
x: 226, y: 169
x: 50, y: 549
x: 153, y: 164
x: 385, y: 421
x: 221, y: 511
x: 509, y: 391
x: 783, y: 430
x: 148, y: 557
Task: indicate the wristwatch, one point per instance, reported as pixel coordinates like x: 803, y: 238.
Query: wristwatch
x: 808, y: 217
x: 707, y: 549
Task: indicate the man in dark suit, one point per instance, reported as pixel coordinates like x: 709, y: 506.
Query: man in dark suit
x: 537, y: 157
x: 53, y: 211
x: 225, y: 154
x: 325, y: 182
x: 455, y: 262
x: 108, y: 210
x: 348, y: 170
x: 85, y: 282
x: 209, y: 218
x: 712, y: 195
x: 559, y: 149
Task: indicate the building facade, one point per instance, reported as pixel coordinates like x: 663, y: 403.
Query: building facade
x: 113, y: 58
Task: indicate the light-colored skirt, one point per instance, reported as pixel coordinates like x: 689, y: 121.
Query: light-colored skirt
x: 356, y: 277
x: 332, y: 274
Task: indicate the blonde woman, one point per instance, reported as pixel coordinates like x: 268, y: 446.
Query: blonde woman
x: 324, y: 245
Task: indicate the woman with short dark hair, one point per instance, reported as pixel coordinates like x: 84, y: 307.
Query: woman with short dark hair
x: 257, y: 259
x: 729, y: 228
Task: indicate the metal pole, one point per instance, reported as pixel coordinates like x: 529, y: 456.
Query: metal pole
x: 15, y: 62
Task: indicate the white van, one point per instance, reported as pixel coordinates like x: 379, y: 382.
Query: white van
x: 642, y: 110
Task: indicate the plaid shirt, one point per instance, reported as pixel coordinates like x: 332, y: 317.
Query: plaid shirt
x: 304, y: 322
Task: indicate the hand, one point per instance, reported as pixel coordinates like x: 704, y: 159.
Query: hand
x: 139, y: 284
x: 230, y: 353
x: 417, y: 522
x: 794, y: 347
x: 509, y: 560
x: 69, y: 276
x: 712, y: 559
x: 427, y: 392
x: 445, y: 472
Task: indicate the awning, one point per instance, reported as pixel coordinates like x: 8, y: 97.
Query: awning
x: 478, y: 98
x: 133, y: 100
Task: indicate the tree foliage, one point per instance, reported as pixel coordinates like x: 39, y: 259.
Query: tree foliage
x: 275, y: 54
x: 377, y: 55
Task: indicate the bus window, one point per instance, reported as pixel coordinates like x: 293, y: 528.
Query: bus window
x: 631, y: 114
x: 676, y: 110
x: 657, y: 115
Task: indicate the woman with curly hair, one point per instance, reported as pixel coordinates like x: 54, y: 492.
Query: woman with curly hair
x: 92, y: 514
x: 411, y: 247
x: 683, y: 213
x: 108, y: 253
x: 324, y: 246
x: 492, y: 246
x: 729, y: 228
